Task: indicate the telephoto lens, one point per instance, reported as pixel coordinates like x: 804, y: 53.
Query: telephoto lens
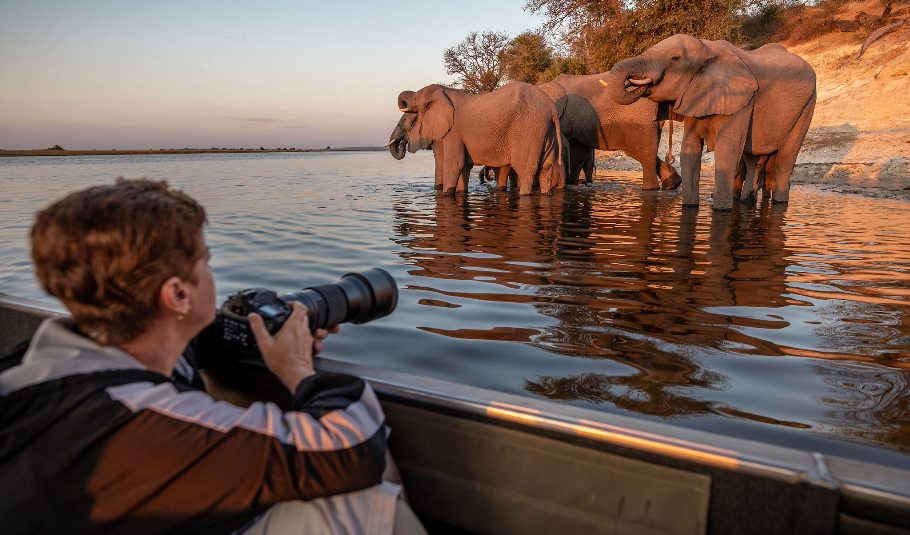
x: 356, y: 298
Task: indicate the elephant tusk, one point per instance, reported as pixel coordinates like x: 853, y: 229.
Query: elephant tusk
x: 404, y: 110
x: 604, y: 83
x: 643, y: 81
x: 390, y: 142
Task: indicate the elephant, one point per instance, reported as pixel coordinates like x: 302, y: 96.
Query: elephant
x: 404, y: 132
x: 590, y: 120
x: 513, y: 127
x: 742, y: 104
x: 402, y: 137
x: 500, y: 174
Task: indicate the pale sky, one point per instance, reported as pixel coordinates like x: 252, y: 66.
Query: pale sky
x: 150, y: 75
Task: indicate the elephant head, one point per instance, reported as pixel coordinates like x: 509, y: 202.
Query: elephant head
x: 405, y: 136
x: 435, y: 115
x: 398, y: 141
x: 700, y: 77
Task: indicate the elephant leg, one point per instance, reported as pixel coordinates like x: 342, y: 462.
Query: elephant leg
x: 731, y: 137
x: 649, y: 174
x: 786, y: 156
x: 453, y: 166
x: 483, y: 174
x: 761, y: 174
x: 546, y: 176
x: 513, y: 178
x: 769, y: 174
x: 502, y: 176
x: 690, y: 165
x: 577, y: 155
x: 669, y: 178
x: 739, y: 177
x: 439, y: 158
x: 559, y: 173
x: 526, y: 174
x: 465, y: 175
x: 588, y: 166
x: 746, y: 179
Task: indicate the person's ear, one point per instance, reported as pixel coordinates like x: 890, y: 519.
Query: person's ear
x: 174, y: 296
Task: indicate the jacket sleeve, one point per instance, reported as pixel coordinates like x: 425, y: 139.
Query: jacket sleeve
x: 186, y: 448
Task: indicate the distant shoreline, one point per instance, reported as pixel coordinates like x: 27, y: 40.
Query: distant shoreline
x: 50, y: 152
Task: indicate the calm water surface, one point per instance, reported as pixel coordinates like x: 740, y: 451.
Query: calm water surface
x: 787, y: 325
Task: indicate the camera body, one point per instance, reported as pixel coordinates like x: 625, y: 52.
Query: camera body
x: 357, y: 298
x: 233, y: 316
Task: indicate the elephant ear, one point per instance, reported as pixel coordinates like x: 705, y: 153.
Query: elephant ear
x: 558, y: 94
x: 724, y: 85
x: 439, y: 118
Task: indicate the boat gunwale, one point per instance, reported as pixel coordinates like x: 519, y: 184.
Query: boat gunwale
x: 856, y: 479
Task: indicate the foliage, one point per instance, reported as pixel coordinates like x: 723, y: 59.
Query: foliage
x: 56, y: 147
x: 527, y: 57
x: 606, y: 31
x: 475, y: 61
x: 564, y: 65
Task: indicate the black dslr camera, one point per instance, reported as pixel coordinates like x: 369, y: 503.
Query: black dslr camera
x: 356, y: 298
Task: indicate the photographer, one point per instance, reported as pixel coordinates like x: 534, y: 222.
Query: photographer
x: 98, y: 433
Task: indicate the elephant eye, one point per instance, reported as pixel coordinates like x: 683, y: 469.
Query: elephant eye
x: 425, y: 108
x: 676, y: 58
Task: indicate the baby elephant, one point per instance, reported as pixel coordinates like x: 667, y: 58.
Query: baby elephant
x: 514, y: 127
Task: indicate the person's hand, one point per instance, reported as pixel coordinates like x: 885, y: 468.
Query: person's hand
x: 289, y: 354
x: 321, y: 335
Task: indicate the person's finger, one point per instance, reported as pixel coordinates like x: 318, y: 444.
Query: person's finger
x: 298, y: 314
x: 260, y: 333
x: 335, y: 329
x: 320, y: 334
x: 317, y: 347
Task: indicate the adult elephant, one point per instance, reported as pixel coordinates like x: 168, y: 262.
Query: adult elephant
x: 590, y: 120
x: 404, y: 131
x: 745, y: 105
x: 513, y: 127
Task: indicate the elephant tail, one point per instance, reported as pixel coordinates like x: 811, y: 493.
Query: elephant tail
x: 558, y: 137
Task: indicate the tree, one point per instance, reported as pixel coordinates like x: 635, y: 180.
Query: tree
x: 605, y: 31
x: 527, y: 57
x: 475, y: 61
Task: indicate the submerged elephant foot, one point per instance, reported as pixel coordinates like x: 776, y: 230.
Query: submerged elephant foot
x: 450, y: 192
x: 650, y: 189
x: 437, y: 186
x: 672, y: 182
x: 775, y: 201
x: 750, y: 199
x: 716, y: 208
x: 501, y: 188
x: 690, y: 205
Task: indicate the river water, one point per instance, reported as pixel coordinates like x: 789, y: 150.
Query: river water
x: 787, y: 325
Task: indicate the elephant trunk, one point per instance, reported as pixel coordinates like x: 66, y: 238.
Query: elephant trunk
x: 398, y: 141
x: 630, y: 79
x: 407, y: 101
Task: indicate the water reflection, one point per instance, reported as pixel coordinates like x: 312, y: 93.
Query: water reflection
x: 671, y: 293
x: 784, y: 325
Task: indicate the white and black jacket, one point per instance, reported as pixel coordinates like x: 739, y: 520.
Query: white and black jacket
x: 91, y: 441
